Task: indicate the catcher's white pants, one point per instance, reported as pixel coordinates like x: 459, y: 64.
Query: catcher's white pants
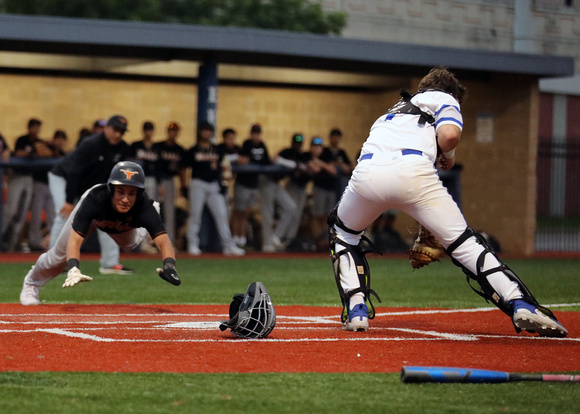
x: 51, y: 263
x: 409, y: 183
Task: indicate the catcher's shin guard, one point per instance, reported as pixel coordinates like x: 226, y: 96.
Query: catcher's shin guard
x: 487, y: 291
x: 357, y: 254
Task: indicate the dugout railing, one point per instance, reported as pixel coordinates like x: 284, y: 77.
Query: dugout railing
x: 558, y: 195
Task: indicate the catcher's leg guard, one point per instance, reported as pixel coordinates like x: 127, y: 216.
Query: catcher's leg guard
x: 487, y: 291
x: 357, y: 255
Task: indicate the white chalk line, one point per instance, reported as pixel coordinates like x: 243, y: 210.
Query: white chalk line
x: 214, y: 325
x: 288, y: 320
x: 227, y: 340
x: 296, y: 318
x: 435, y: 336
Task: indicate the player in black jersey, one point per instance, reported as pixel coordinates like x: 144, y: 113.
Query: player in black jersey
x: 143, y: 153
x: 122, y: 209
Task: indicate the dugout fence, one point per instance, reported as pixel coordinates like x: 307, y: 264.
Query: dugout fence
x: 558, y: 202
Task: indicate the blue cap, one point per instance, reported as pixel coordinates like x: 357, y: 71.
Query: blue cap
x: 316, y: 141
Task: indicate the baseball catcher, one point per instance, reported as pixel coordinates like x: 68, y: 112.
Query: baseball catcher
x: 251, y: 315
x: 120, y: 208
x: 397, y: 170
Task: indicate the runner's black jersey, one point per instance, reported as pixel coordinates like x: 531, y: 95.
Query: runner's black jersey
x: 97, y: 208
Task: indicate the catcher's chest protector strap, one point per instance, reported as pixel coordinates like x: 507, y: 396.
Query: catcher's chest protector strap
x: 357, y: 254
x: 487, y: 291
x: 404, y: 106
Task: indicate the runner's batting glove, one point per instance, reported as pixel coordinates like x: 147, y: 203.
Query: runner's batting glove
x: 75, y: 276
x: 169, y: 272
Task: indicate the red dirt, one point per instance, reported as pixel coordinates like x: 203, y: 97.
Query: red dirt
x: 148, y: 338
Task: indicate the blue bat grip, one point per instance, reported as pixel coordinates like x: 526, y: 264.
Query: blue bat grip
x: 447, y: 374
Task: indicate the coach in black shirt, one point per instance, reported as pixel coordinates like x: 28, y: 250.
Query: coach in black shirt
x: 90, y: 164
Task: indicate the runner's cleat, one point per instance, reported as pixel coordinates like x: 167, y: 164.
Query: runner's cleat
x: 358, y: 319
x: 29, y: 295
x: 528, y: 318
x: 118, y: 269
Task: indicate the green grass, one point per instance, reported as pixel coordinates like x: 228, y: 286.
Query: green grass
x: 64, y: 393
x: 289, y: 281
x: 295, y: 281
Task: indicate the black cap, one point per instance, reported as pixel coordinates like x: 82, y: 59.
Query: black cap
x: 256, y: 129
x: 34, y: 122
x: 148, y: 126
x: 336, y: 131
x: 205, y: 126
x: 298, y: 138
x: 59, y: 133
x: 118, y: 122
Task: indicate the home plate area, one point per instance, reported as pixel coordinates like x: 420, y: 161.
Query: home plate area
x: 186, y: 338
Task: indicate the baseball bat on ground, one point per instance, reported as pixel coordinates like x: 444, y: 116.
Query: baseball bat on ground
x: 467, y: 375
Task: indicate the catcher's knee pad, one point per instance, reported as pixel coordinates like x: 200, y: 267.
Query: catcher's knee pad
x: 487, y: 291
x: 357, y: 255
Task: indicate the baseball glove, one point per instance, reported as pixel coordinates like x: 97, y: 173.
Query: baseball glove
x: 425, y: 250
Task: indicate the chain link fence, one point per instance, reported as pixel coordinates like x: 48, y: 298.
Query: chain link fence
x: 558, y: 203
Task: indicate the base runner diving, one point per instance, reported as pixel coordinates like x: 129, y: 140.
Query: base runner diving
x: 397, y: 170
x: 120, y: 208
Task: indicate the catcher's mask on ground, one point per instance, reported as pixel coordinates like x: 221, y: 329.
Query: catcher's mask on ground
x: 251, y: 315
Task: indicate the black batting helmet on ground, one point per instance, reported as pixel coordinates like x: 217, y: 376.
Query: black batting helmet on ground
x: 251, y: 315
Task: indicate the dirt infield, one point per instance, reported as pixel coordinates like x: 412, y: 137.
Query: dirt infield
x: 186, y: 338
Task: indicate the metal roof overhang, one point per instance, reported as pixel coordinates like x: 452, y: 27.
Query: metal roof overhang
x: 241, y: 46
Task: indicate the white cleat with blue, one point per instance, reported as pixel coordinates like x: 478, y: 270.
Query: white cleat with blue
x: 358, y: 319
x: 529, y: 318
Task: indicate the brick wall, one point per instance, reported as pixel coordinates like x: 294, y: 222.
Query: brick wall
x: 498, y: 178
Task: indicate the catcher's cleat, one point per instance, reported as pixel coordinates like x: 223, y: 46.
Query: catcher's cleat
x: 29, y: 295
x: 358, y: 319
x: 528, y: 318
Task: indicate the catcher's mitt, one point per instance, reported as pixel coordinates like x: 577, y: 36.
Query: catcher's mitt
x: 426, y: 249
